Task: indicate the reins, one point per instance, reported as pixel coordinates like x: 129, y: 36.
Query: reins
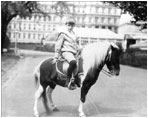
x: 107, y: 73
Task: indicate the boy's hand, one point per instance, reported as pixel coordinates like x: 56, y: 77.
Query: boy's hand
x: 54, y: 60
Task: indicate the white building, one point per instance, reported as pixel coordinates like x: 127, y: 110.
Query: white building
x: 88, y: 15
x: 132, y: 33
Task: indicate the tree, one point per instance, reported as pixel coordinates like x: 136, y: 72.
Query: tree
x: 61, y: 8
x: 11, y: 9
x: 138, y: 9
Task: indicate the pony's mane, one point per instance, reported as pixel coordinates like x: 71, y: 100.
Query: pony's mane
x: 94, y: 54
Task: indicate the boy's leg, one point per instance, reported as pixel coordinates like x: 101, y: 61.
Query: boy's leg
x: 72, y: 66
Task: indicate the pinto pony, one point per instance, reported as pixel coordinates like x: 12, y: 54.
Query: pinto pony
x: 94, y: 56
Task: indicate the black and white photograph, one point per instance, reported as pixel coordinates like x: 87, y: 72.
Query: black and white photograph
x: 73, y: 58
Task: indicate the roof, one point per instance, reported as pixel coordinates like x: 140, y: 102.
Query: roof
x: 129, y: 28
x: 97, y: 33
x: 141, y: 45
x: 88, y: 33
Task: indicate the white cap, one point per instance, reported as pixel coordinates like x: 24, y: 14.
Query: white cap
x: 70, y: 19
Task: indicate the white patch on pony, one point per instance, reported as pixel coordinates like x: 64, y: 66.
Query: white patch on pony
x: 93, y: 55
x: 80, y: 109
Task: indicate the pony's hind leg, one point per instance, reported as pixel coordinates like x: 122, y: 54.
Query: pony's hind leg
x: 44, y: 98
x: 38, y: 93
x: 49, y: 92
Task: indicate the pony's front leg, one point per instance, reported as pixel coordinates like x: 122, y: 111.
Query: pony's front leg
x: 49, y: 92
x: 82, y: 100
x: 84, y: 90
x: 81, y: 113
x: 38, y: 93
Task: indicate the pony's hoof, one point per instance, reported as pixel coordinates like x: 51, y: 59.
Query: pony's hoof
x: 36, y: 115
x: 82, y: 115
x: 55, y: 109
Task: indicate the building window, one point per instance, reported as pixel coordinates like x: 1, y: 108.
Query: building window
x: 99, y: 10
x: 103, y: 27
x: 115, y: 21
x: 19, y: 35
x: 39, y: 18
x: 35, y: 17
x: 54, y: 18
x: 109, y: 11
x: 28, y: 35
x: 110, y: 28
x: 29, y: 26
x: 96, y: 19
x: 44, y: 27
x: 96, y: 10
x: 9, y: 27
x: 48, y: 18
x: 89, y: 19
x: 39, y: 36
x: 78, y: 10
x: 109, y: 20
x: 115, y: 11
x: 44, y: 18
x: 115, y: 30
x: 83, y: 10
x: 78, y: 19
x: 9, y: 34
x: 24, y: 35
x: 83, y: 19
x: 96, y: 26
x: 34, y: 36
x: 34, y: 27
x: 83, y: 26
x: 14, y: 35
x: 103, y: 10
x: 24, y: 26
x: 48, y: 27
x: 102, y: 20
x: 14, y: 25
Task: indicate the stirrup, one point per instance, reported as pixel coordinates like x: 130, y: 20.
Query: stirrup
x: 72, y: 82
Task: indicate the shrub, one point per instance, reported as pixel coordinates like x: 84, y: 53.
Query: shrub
x: 134, y: 57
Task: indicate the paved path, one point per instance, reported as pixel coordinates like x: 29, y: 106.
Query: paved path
x: 109, y: 97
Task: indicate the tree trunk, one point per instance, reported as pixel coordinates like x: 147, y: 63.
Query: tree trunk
x: 5, y: 19
x: 3, y: 37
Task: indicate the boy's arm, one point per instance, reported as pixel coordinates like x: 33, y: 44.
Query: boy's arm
x: 58, y: 45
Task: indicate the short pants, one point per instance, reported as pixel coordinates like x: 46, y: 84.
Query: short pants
x: 69, y: 56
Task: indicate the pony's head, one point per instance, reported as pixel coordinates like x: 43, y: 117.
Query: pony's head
x: 113, y: 59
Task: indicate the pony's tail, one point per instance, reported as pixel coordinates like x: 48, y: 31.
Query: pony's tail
x: 36, y: 79
x: 36, y: 74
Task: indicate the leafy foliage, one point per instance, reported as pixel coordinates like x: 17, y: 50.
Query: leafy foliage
x: 22, y: 8
x: 11, y: 9
x: 61, y: 8
x: 134, y: 57
x: 138, y: 9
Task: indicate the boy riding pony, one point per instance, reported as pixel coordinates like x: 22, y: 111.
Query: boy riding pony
x: 67, y: 47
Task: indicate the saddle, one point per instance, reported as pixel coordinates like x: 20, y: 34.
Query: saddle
x: 62, y: 67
